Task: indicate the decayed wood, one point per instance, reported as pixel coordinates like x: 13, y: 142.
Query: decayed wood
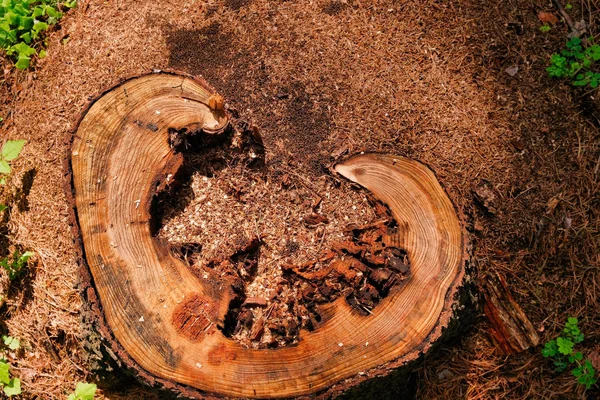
x: 166, y: 320
x: 509, y: 326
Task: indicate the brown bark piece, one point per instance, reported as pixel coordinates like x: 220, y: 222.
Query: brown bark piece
x: 315, y: 219
x: 255, y: 301
x: 509, y: 326
x: 164, y: 319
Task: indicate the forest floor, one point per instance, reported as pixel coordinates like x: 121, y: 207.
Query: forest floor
x: 460, y: 86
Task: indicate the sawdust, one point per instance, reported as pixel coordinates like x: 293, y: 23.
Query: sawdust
x: 234, y: 214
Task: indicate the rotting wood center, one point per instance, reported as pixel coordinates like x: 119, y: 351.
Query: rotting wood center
x: 287, y: 262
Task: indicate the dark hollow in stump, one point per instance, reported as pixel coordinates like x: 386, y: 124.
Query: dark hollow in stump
x: 164, y: 320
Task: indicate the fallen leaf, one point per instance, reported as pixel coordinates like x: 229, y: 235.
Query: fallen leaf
x: 552, y: 203
x: 445, y: 374
x: 512, y: 70
x: 547, y: 18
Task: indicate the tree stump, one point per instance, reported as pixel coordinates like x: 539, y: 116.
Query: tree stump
x: 163, y: 321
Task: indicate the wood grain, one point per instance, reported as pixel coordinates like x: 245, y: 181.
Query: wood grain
x: 509, y: 326
x: 165, y: 318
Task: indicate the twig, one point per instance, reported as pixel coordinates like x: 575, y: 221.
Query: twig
x: 565, y: 15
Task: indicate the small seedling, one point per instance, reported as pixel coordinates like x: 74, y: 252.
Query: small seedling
x: 545, y: 28
x: 83, y: 391
x: 11, y: 342
x: 16, y: 266
x: 562, y: 351
x: 568, y: 6
x: 11, y: 386
x: 10, y: 151
x: 577, y: 63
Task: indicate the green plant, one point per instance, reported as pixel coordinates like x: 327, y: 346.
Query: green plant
x: 10, y: 151
x: 11, y: 342
x: 22, y: 23
x: 16, y: 266
x: 561, y: 351
x: 568, y: 6
x: 11, y: 386
x: 545, y: 28
x: 577, y: 63
x: 83, y: 391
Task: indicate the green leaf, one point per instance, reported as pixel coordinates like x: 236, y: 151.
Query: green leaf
x: 4, y: 167
x: 70, y: 4
x: 23, y: 62
x: 43, y: 54
x: 11, y: 342
x: 40, y: 26
x: 587, y: 63
x: 2, y: 207
x: 13, y: 388
x: 25, y: 257
x: 23, y: 49
x: 573, y: 42
x: 38, y: 11
x: 4, y: 374
x: 26, y: 37
x: 550, y: 349
x: 83, y: 391
x: 560, y: 365
x: 12, y: 149
x: 26, y: 23
x: 53, y: 13
x: 565, y: 345
x: 12, y: 18
x: 3, y: 181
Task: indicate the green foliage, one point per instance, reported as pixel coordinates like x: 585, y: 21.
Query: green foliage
x: 562, y: 351
x: 83, y: 391
x: 16, y: 266
x: 577, y: 63
x: 545, y: 28
x: 11, y: 386
x: 10, y: 151
x: 568, y: 6
x: 11, y: 342
x: 22, y: 23
x: 585, y: 374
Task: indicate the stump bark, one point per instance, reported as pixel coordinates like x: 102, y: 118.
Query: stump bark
x: 163, y: 321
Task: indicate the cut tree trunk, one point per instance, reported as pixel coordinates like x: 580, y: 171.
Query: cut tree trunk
x: 163, y: 320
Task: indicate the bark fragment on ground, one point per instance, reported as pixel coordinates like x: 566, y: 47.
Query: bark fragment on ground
x: 509, y: 326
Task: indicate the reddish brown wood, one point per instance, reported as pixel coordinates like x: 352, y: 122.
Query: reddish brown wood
x: 509, y: 326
